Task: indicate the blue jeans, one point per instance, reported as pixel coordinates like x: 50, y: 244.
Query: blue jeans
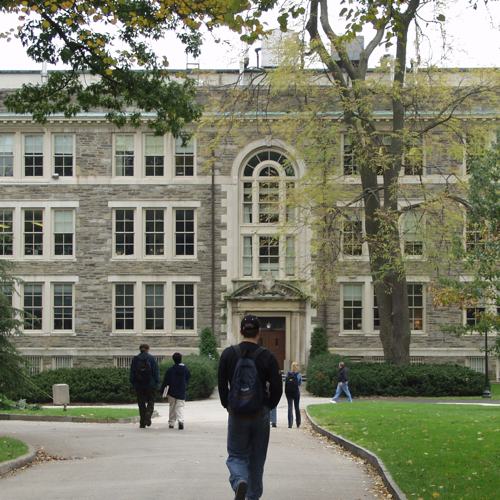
x: 342, y: 386
x: 247, y: 441
x: 273, y: 416
x: 293, y: 401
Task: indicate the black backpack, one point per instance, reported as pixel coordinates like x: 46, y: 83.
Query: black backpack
x: 143, y: 371
x: 291, y: 384
x: 246, y: 394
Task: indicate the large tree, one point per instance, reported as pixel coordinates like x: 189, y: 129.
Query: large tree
x: 108, y: 48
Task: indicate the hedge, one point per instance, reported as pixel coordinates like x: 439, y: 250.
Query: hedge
x: 384, y: 379
x: 111, y: 385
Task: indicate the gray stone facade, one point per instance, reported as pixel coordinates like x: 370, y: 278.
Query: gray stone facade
x: 95, y: 192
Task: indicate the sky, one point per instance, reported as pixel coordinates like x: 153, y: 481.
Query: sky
x: 472, y: 39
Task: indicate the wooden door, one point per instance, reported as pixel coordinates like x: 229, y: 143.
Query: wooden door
x: 274, y: 340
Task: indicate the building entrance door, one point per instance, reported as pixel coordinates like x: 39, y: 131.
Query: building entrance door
x: 273, y: 337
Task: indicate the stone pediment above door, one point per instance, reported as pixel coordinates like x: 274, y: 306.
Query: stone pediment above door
x: 268, y: 289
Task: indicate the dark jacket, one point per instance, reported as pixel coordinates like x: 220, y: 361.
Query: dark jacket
x: 177, y: 378
x: 267, y: 368
x: 343, y: 372
x: 155, y: 379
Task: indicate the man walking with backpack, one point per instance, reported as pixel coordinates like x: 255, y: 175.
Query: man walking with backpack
x: 249, y: 387
x: 145, y: 377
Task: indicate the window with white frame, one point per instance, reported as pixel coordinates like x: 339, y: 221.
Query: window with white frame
x: 473, y: 316
x: 290, y: 256
x: 124, y: 306
x: 34, y: 364
x: 247, y: 256
x: 62, y: 362
x: 63, y: 306
x: 184, y: 306
x: 33, y: 155
x: 154, y: 310
x: 413, y: 229
x: 63, y: 155
x: 269, y: 255
x: 154, y: 156
x: 348, y: 157
x: 376, y: 313
x: 33, y: 232
x: 6, y: 231
x: 416, y: 306
x: 33, y: 306
x: 474, y: 236
x: 269, y: 201
x: 64, y: 228
x: 124, y: 155
x: 352, y: 235
x: 184, y: 232
x: 6, y: 155
x: 184, y: 157
x: 154, y: 234
x: 352, y: 306
x: 124, y: 231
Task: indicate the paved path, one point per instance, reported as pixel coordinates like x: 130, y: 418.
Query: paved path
x: 122, y: 462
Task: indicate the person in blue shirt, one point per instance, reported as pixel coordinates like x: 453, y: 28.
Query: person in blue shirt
x: 293, y: 381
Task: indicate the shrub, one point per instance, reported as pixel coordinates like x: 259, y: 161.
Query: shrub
x: 86, y: 385
x: 374, y: 379
x: 208, y: 344
x: 203, y: 375
x: 319, y: 342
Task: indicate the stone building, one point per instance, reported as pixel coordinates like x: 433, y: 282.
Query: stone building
x: 121, y: 237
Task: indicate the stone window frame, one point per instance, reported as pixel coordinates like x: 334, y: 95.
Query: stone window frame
x: 47, y: 282
x: 48, y: 208
x: 368, y: 304
x: 169, y: 282
x: 139, y: 208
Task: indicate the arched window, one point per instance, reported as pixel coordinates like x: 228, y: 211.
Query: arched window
x: 267, y: 179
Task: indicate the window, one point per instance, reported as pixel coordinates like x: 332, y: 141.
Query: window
x: 34, y: 364
x: 6, y: 155
x: 349, y: 160
x: 352, y: 307
x: 33, y: 232
x: 184, y: 157
x: 352, y: 235
x: 413, y: 222
x: 124, y: 306
x: 474, y: 236
x: 269, y: 198
x: 413, y: 161
x: 6, y: 231
x: 184, y: 232
x: 473, y: 316
x: 376, y: 313
x: 416, y: 306
x: 184, y: 306
x: 155, y: 306
x: 155, y: 231
x: 247, y: 203
x: 62, y: 362
x: 476, y: 363
x: 33, y: 155
x: 124, y: 155
x: 63, y: 306
x: 247, y: 256
x: 63, y: 232
x: 154, y: 158
x: 63, y: 155
x: 269, y: 255
x: 124, y: 232
x: 290, y: 256
x: 33, y: 306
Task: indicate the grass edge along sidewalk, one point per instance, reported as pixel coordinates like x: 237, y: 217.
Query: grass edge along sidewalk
x: 82, y: 414
x: 432, y: 451
x: 11, y: 448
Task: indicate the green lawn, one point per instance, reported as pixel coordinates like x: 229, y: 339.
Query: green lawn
x: 110, y: 413
x: 11, y: 448
x: 431, y: 450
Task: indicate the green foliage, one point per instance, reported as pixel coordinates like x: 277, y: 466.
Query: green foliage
x: 383, y: 379
x: 208, y: 344
x: 319, y: 342
x: 203, y: 375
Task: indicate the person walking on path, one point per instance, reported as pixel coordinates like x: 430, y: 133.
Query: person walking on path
x: 293, y: 381
x: 174, y: 388
x: 249, y: 387
x: 145, y: 378
x: 342, y: 384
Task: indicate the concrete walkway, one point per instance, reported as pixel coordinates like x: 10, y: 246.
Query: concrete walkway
x: 122, y: 462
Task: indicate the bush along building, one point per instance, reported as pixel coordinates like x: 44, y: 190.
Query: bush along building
x: 122, y: 237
